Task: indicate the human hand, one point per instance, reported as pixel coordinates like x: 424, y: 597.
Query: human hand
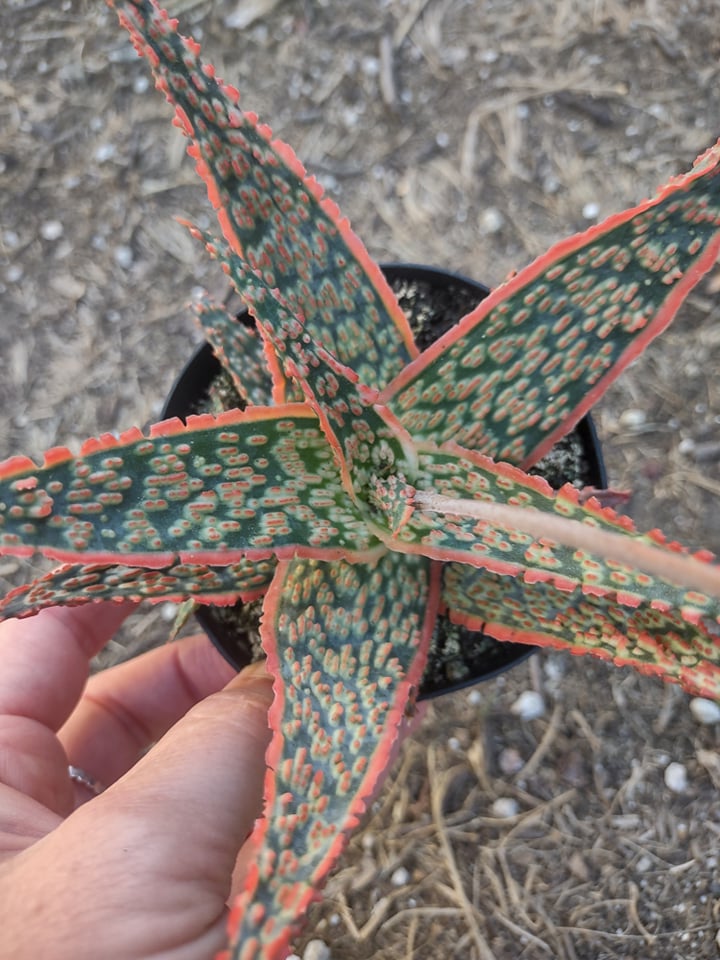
x: 144, y: 869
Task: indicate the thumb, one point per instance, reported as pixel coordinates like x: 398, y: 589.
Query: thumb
x: 159, y: 843
x: 200, y: 787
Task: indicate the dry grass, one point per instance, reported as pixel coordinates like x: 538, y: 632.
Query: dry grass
x: 466, y: 134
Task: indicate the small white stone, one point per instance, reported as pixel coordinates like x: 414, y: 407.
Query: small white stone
x: 554, y: 668
x: 529, y: 705
x: 510, y: 761
x: 676, y: 778
x: 51, y: 230
x: 590, y: 211
x: 474, y: 698
x: 705, y: 711
x: 400, y: 877
x: 141, y: 83
x: 632, y: 419
x: 168, y: 611
x: 491, y: 220
x: 105, y: 152
x: 505, y: 807
x: 370, y: 66
x: 316, y: 950
x: 124, y: 256
x: 686, y: 447
x: 454, y: 743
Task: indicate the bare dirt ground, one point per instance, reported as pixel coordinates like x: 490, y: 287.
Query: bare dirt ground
x: 467, y: 134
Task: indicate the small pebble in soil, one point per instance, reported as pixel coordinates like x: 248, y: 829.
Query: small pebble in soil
x: 505, y: 807
x: 124, y: 256
x: 105, y: 152
x: 686, y: 447
x: 491, y: 220
x: 529, y: 705
x: 168, y: 611
x: 51, y: 230
x: 590, y: 210
x: 316, y: 950
x: 510, y: 761
x: 705, y: 711
x: 676, y: 778
x: 400, y: 877
x: 632, y: 419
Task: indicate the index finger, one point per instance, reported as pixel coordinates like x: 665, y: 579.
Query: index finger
x: 45, y: 660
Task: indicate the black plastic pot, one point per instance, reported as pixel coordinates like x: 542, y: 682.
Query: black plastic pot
x: 434, y: 300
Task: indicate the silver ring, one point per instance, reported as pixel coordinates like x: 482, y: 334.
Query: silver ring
x: 78, y: 775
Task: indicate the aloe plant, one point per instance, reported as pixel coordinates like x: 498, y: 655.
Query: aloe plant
x: 362, y: 488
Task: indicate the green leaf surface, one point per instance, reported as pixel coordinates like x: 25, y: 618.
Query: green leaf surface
x: 661, y: 642
x: 239, y: 349
x: 255, y: 483
x: 271, y: 213
x: 75, y: 583
x: 368, y: 443
x: 520, y: 370
x: 512, y: 552
x: 347, y: 644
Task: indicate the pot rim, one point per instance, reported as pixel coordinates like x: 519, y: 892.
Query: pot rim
x: 203, y: 366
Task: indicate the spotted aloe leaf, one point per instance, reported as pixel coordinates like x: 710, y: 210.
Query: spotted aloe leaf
x: 347, y: 644
x: 367, y: 441
x: 244, y: 484
x: 271, y: 213
x: 239, y: 349
x: 522, y: 527
x: 519, y: 371
x: 676, y: 644
x: 283, y: 388
x: 76, y: 583
x: 518, y: 578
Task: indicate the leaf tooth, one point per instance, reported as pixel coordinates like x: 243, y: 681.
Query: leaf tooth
x: 21, y: 464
